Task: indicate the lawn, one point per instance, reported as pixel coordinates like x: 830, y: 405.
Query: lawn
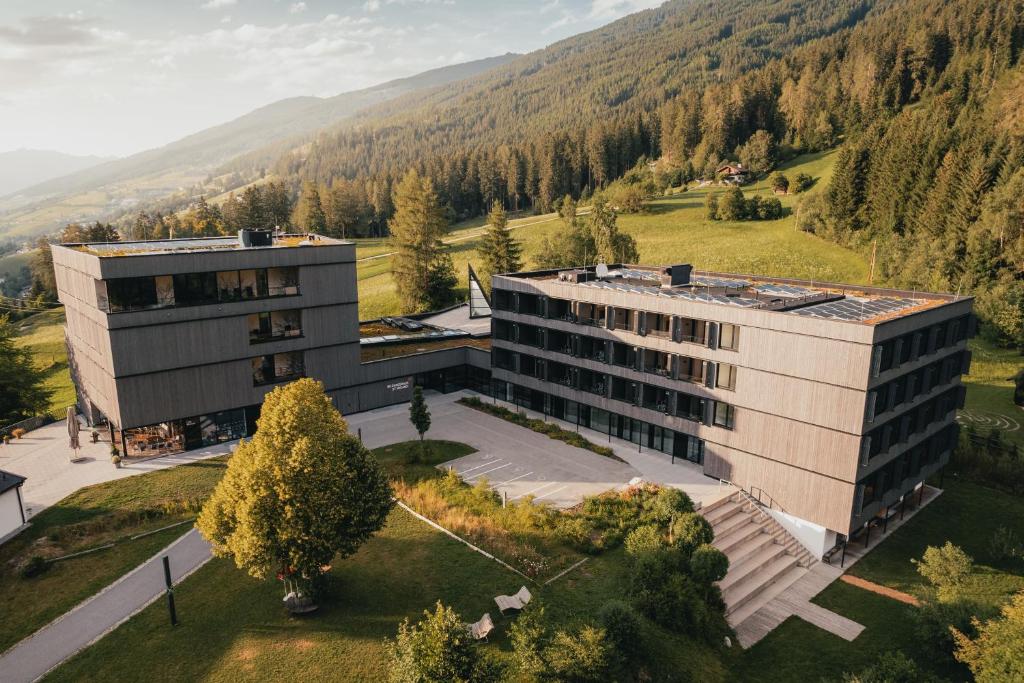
x: 990, y: 387
x: 965, y: 514
x: 43, y: 333
x: 94, y: 516
x: 233, y: 627
x: 672, y: 230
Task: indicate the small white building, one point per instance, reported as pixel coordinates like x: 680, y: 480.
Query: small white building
x: 12, y: 511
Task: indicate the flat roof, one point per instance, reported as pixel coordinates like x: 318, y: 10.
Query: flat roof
x: 197, y: 244
x: 826, y: 300
x: 10, y: 480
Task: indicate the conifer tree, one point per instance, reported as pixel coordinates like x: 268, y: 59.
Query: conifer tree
x: 309, y: 213
x: 500, y: 251
x: 421, y: 268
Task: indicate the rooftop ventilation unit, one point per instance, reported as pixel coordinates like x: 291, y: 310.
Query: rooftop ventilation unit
x: 576, y: 276
x: 255, y: 238
x: 676, y: 276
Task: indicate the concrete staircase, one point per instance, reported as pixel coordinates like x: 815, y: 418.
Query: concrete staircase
x: 764, y: 559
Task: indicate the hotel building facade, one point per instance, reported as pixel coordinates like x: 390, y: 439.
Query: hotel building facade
x: 828, y: 402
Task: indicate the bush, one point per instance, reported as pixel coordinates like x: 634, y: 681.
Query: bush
x: 711, y: 207
x: 946, y: 568
x: 622, y: 627
x: 540, y: 653
x: 708, y: 564
x: 802, y: 182
x: 811, y: 215
x: 35, y: 566
x: 769, y: 209
x: 690, y: 531
x: 643, y: 540
x: 732, y: 206
x: 779, y: 182
x: 665, y: 596
x: 891, y: 667
x: 437, y: 650
x: 669, y: 503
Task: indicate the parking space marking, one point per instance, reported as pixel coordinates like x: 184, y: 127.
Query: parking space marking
x: 551, y: 493
x: 508, y: 481
x: 478, y: 466
x: 531, y: 491
x: 493, y: 469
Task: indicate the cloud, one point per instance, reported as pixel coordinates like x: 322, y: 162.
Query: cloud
x: 375, y: 5
x: 296, y: 8
x: 56, y: 30
x: 217, y: 4
x: 371, y: 5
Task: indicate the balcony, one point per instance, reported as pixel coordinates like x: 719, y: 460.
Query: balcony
x: 593, y: 382
x: 278, y: 367
x: 592, y: 314
x: 623, y: 356
x: 274, y: 326
x: 692, y: 370
x: 560, y: 309
x: 654, y: 398
x: 657, y: 363
x: 659, y: 325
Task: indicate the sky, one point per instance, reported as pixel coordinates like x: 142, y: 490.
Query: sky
x: 115, y: 77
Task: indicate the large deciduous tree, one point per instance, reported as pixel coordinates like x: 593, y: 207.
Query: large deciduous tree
x: 22, y: 393
x: 997, y: 654
x: 302, y: 492
x: 500, y: 251
x: 422, y: 269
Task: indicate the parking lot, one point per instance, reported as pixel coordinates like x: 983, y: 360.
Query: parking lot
x: 514, y: 461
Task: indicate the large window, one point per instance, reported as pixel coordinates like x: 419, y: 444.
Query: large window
x: 274, y: 325
x: 278, y: 367
x: 192, y: 289
x: 131, y: 294
x: 726, y: 376
x: 725, y: 415
x: 729, y: 336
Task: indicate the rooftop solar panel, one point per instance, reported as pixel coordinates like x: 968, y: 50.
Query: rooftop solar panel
x: 709, y: 281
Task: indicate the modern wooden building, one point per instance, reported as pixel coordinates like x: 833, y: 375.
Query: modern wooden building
x: 830, y: 401
x: 176, y: 342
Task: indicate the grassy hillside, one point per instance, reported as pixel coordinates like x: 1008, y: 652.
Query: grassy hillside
x: 673, y: 230
x: 43, y: 333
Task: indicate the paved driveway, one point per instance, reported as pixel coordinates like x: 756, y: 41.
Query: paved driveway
x: 515, y: 461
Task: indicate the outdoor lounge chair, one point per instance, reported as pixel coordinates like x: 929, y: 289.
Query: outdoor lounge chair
x: 480, y: 629
x: 517, y: 601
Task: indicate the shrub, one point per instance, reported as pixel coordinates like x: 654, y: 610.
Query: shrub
x: 35, y: 566
x: 732, y: 206
x: 946, y: 568
x: 891, y: 667
x: 622, y: 627
x: 802, y: 182
x: 540, y: 653
x: 769, y: 209
x: 18, y: 433
x: 669, y: 503
x: 576, y: 531
x: 644, y: 539
x: 711, y: 207
x: 690, y: 531
x: 708, y: 564
x: 779, y: 182
x: 665, y: 596
x: 811, y: 214
x: 579, y: 656
x: 437, y: 650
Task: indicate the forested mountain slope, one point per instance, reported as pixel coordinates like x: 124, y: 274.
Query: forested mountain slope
x: 924, y: 98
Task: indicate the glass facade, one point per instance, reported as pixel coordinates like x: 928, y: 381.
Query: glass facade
x: 195, y: 289
x: 644, y: 434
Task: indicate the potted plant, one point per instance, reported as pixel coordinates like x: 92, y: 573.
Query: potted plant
x: 7, y: 439
x: 95, y: 436
x: 115, y: 456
